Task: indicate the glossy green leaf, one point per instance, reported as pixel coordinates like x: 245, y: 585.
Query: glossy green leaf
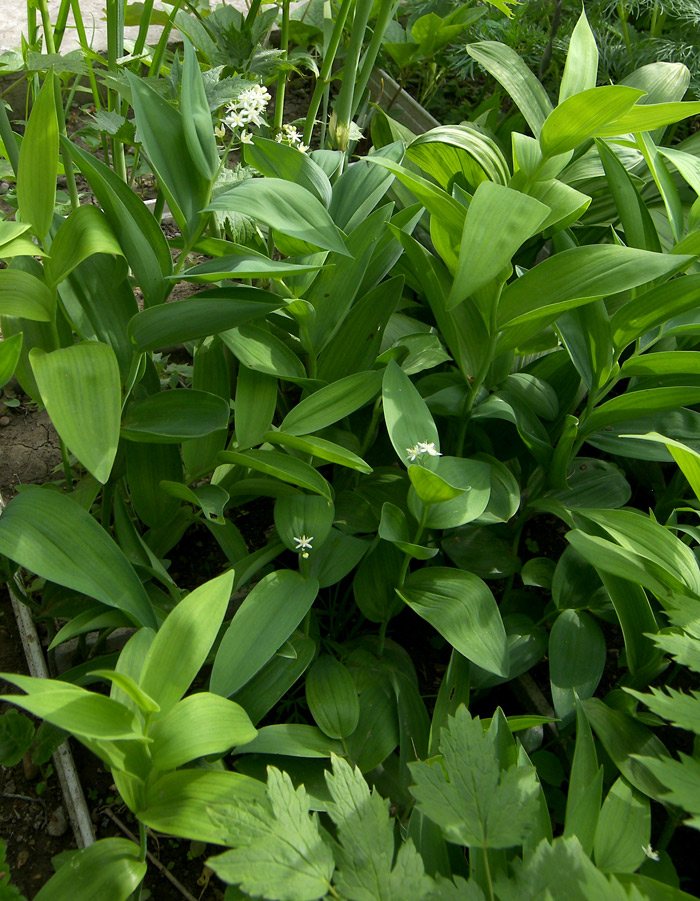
x: 254, y: 407
x: 84, y: 713
x: 211, y: 312
x: 654, y: 308
x: 331, y: 403
x: 459, y: 151
x: 182, y: 643
x: 430, y: 487
x: 173, y: 416
x: 38, y: 162
x: 83, y: 233
x: 635, y: 218
x: 577, y: 655
x: 136, y: 229
x: 408, y: 420
x: 210, y: 499
x: 80, y: 386
x: 471, y: 475
x: 332, y: 698
x: 241, y: 266
x: 24, y: 296
x: 504, y: 64
x: 210, y: 372
x: 259, y: 349
x: 280, y: 466
x: 319, y: 447
x: 585, y: 785
x: 285, y: 206
x: 127, y: 686
x: 292, y: 740
x: 499, y: 221
x: 393, y: 527
x: 10, y: 349
x: 303, y: 514
x: 648, y: 116
x: 199, y: 725
x: 360, y: 188
x: 639, y: 403
x: 585, y: 115
x: 374, y: 583
x: 196, y: 118
x: 581, y: 69
x: 109, y: 868
x: 624, y: 829
x: 263, y: 622
x: 276, y: 160
x: 53, y: 536
x: 463, y: 610
x: 146, y: 466
x: 376, y: 734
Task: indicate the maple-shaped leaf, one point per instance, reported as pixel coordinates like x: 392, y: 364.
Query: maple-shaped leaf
x: 560, y: 871
x: 468, y: 795
x: 281, y: 854
x: 365, y: 853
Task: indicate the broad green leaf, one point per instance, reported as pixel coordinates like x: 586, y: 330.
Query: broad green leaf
x: 10, y: 349
x: 183, y: 803
x: 585, y: 785
x: 128, y: 687
x: 53, y: 536
x: 509, y: 70
x: 83, y: 233
x: 292, y: 740
x: 319, y: 447
x: 637, y: 622
x: 577, y: 656
x: 430, y: 487
x: 146, y: 466
x: 280, y: 854
x: 687, y: 459
x: 669, y: 362
x: 635, y: 218
x: 360, y: 188
x: 262, y: 351
x: 285, y: 206
x: 638, y: 403
x: 473, y: 476
x: 263, y: 622
x: 463, y: 610
x: 38, y: 162
x: 499, y: 221
x: 566, y: 203
x: 367, y: 865
x: 196, y: 118
x: 393, y: 527
x: 280, y: 466
x: 276, y: 160
x: 244, y: 265
x: 377, y: 734
x: 211, y: 312
x: 332, y: 698
x: 331, y: 403
x: 648, y: 116
x: 254, y: 406
x: 624, y: 829
x: 170, y: 417
x: 472, y: 800
x: 109, y: 868
x: 654, y: 308
x: 199, y: 725
x: 577, y: 276
x: 80, y: 386
x: 374, y: 583
x: 627, y: 742
x: 136, y: 229
x: 462, y: 150
x: 210, y: 499
x: 163, y: 135
x: 585, y: 115
x: 303, y: 514
x: 581, y: 69
x: 408, y: 420
x: 210, y: 372
x: 24, y: 296
x: 81, y: 712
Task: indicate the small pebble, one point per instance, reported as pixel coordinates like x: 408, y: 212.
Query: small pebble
x: 57, y: 822
x: 4, y: 420
x: 4, y: 187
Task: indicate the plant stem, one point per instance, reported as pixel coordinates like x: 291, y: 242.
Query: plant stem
x: 282, y: 77
x: 8, y: 139
x: 144, y: 25
x: 344, y: 103
x: 163, y: 42
x: 46, y: 25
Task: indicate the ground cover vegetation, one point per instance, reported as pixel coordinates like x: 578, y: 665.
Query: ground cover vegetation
x: 459, y: 371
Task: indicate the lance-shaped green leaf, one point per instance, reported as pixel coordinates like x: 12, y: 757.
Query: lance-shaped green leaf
x: 281, y: 466
x: 258, y: 349
x: 635, y: 218
x: 624, y: 829
x: 211, y: 312
x: 432, y: 488
x: 463, y: 610
x: 450, y: 150
x: 24, y: 296
x: 319, y: 447
x: 85, y: 232
x: 110, y: 868
x: 196, y: 118
x: 53, y: 536
x: 80, y: 386
x: 182, y: 643
x: 38, y: 162
x: 394, y: 528
x: 245, y: 265
x: 276, y: 160
x: 360, y: 188
x: 331, y: 403
x: 687, y: 459
x: 285, y: 206
x: 648, y: 116
x: 254, y: 406
x: 199, y: 725
x: 408, y: 419
x: 332, y: 697
x: 210, y: 499
x: 292, y: 740
x: 585, y: 785
x: 576, y: 276
x: 138, y: 233
x: 10, y: 349
x: 170, y: 417
x: 499, y: 221
x: 639, y: 403
x: 577, y: 656
x: 162, y: 132
x: 81, y: 712
x: 581, y: 69
x: 585, y: 115
x: 263, y: 622
x: 473, y: 476
x: 504, y: 64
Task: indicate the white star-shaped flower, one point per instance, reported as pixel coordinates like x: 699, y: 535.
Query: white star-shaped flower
x: 650, y: 853
x: 413, y: 453
x: 303, y: 543
x: 428, y: 448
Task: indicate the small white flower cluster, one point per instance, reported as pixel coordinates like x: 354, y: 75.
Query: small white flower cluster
x: 421, y: 449
x: 246, y: 112
x: 304, y: 545
x: 290, y: 136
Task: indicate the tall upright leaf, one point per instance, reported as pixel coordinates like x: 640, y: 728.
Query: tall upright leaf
x: 38, y: 162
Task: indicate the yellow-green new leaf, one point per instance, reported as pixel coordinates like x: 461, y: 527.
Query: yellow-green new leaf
x: 80, y: 386
x: 84, y: 233
x: 111, y: 868
x: 10, y: 349
x: 581, y: 69
x: 648, y: 116
x: 196, y: 118
x: 38, y: 162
